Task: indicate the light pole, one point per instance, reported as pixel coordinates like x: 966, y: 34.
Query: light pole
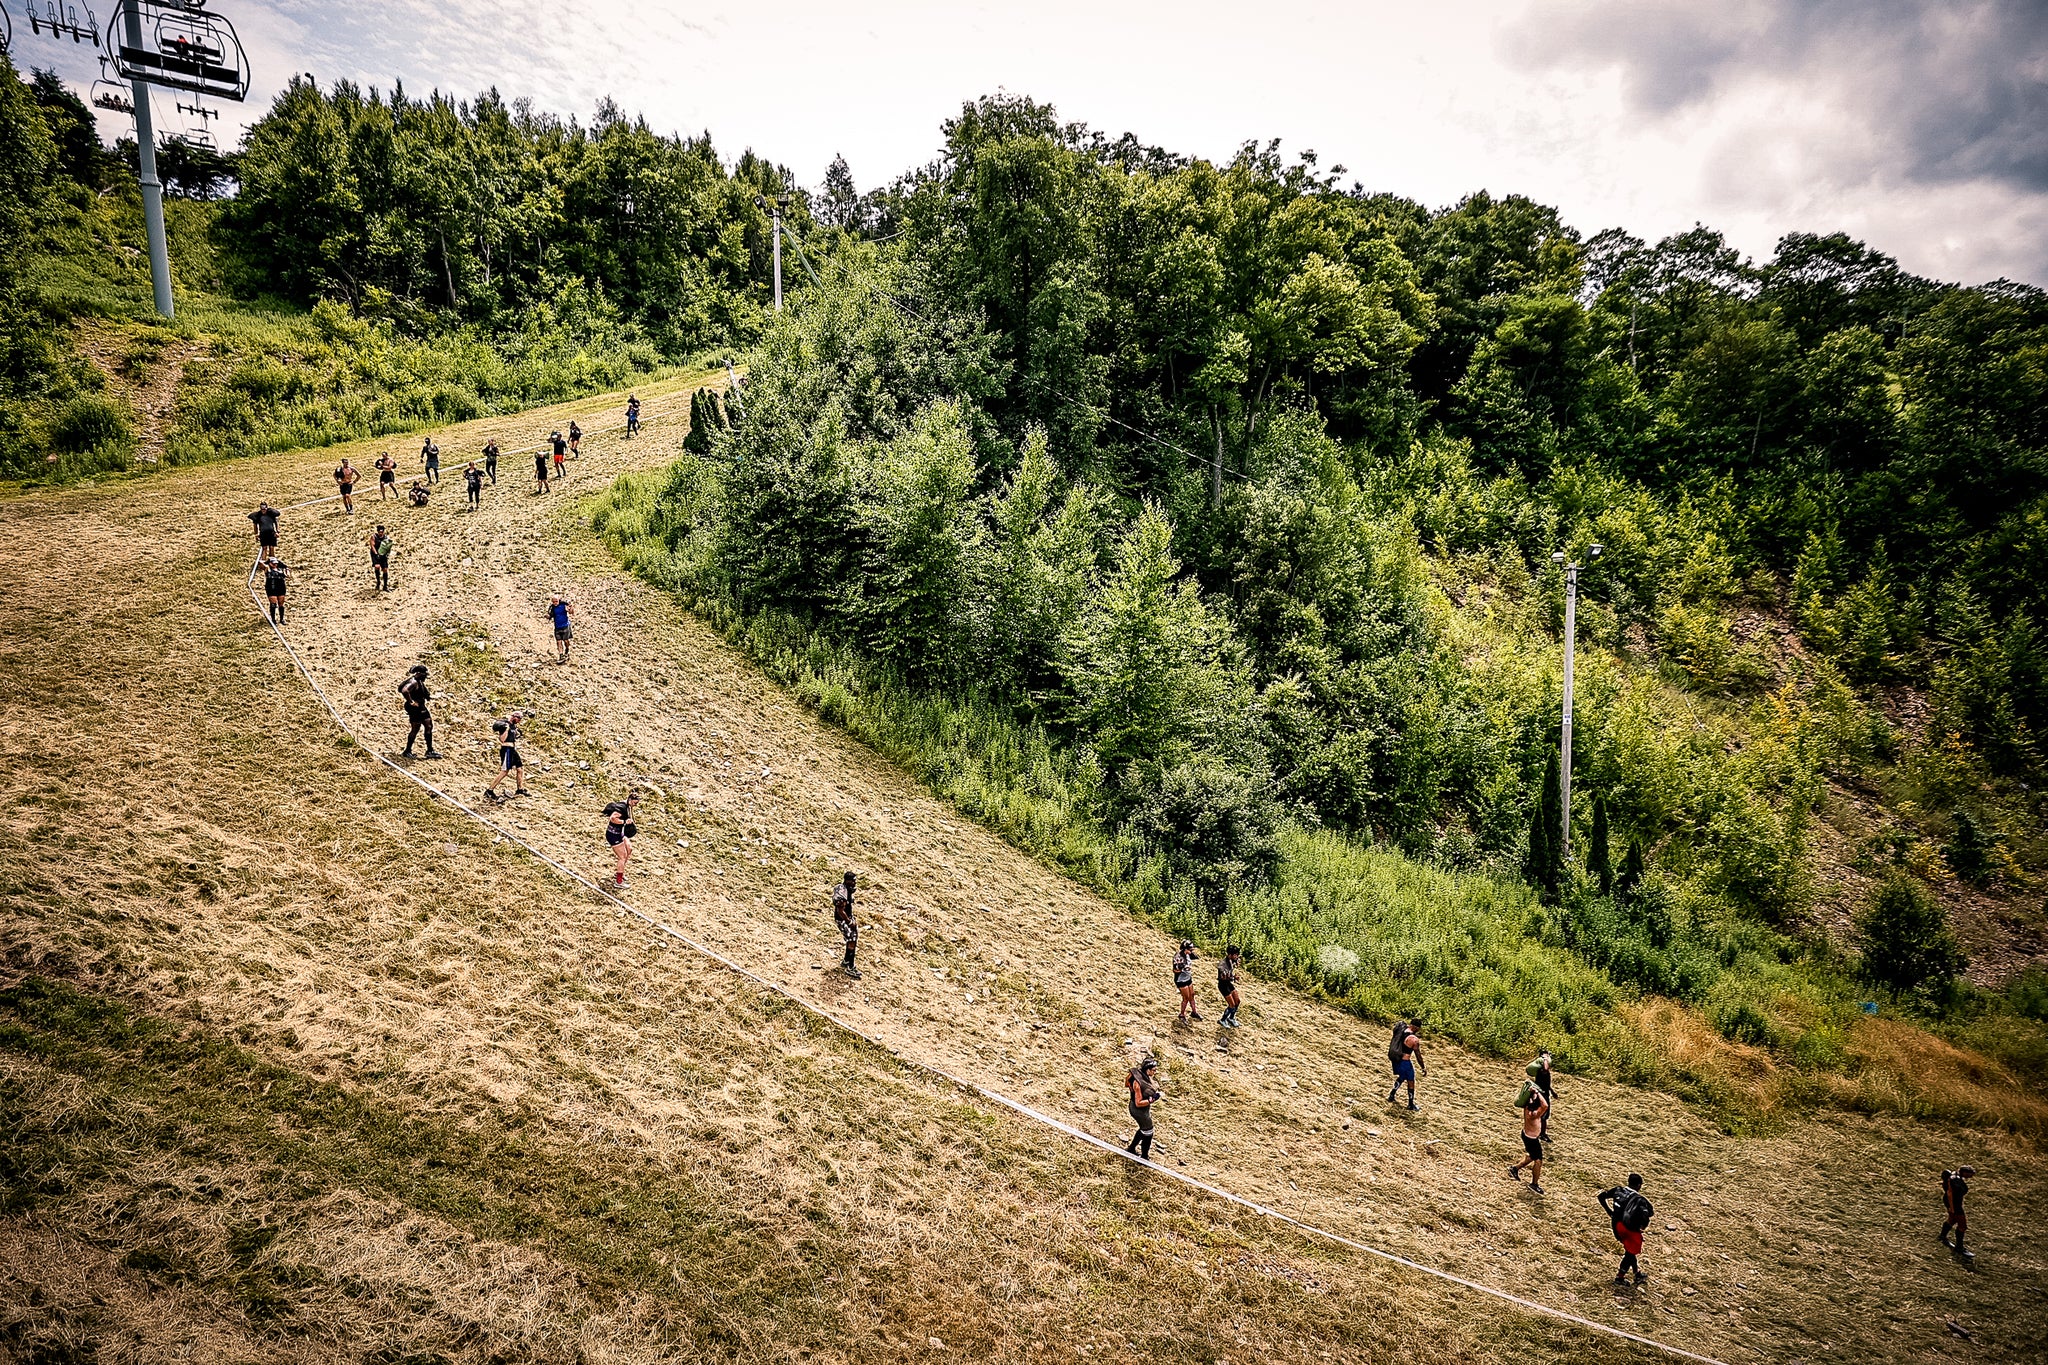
x: 1571, y: 632
x: 775, y: 208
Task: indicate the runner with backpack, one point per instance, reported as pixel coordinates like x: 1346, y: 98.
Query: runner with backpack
x: 1533, y: 1107
x: 414, y: 693
x: 619, y: 829
x: 1630, y: 1212
x: 1184, y: 977
x: 1954, y: 1185
x: 632, y: 416
x: 1226, y: 985
x: 380, y: 559
x: 842, y: 916
x: 1143, y: 1083
x: 1404, y: 1051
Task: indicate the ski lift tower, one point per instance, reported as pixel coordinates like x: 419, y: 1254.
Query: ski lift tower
x: 177, y: 44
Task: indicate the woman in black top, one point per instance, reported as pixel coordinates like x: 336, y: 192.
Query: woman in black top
x: 1226, y: 985
x: 1143, y: 1083
x: 540, y: 470
x: 1184, y: 977
x: 575, y: 440
x: 491, y: 461
x: 619, y: 830
x: 473, y: 480
x: 273, y: 588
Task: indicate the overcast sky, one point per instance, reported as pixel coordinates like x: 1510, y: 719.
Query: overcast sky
x: 1918, y: 125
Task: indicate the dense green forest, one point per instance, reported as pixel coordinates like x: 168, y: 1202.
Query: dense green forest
x: 363, y: 263
x: 1195, y: 523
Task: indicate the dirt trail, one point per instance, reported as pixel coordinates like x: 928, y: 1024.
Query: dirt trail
x: 982, y: 961
x: 153, y: 394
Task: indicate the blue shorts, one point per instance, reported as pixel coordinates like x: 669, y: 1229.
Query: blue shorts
x: 1404, y: 1070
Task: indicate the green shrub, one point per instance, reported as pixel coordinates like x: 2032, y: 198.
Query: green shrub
x: 1906, y: 941
x: 90, y: 423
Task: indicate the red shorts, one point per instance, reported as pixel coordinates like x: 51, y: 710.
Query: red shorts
x: 1631, y: 1242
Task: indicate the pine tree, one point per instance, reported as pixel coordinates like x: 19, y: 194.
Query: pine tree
x: 1598, y: 861
x: 698, y: 442
x: 1631, y: 870
x: 1545, y: 867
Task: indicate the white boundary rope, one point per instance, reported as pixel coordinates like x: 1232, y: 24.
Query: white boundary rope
x: 992, y: 1096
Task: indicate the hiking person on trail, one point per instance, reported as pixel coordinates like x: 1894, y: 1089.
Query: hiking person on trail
x: 1143, y: 1083
x: 842, y: 915
x: 510, y: 764
x: 345, y: 480
x: 491, y: 461
x: 380, y: 559
x: 1405, y: 1052
x: 632, y: 416
x: 1184, y: 977
x: 540, y: 470
x: 561, y: 449
x: 559, y: 612
x: 387, y: 476
x: 273, y: 589
x: 1533, y: 1107
x: 417, y: 494
x: 575, y: 439
x: 1954, y: 1185
x: 1226, y: 984
x: 413, y: 692
x: 619, y: 829
x: 430, y: 457
x: 265, y: 520
x: 473, y: 480
x: 1539, y: 1081
x: 1630, y: 1213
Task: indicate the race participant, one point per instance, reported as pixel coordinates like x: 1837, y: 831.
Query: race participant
x: 1226, y: 985
x: 540, y: 470
x: 265, y: 520
x: 413, y: 692
x: 491, y: 461
x: 1143, y: 1083
x: 510, y: 764
x: 345, y: 480
x: 1630, y: 1214
x: 1533, y: 1108
x: 632, y: 416
x: 559, y: 612
x: 380, y: 559
x: 575, y: 439
x: 473, y: 482
x: 430, y: 458
x: 619, y: 829
x: 387, y: 476
x: 1184, y: 978
x: 849, y: 931
x: 273, y: 587
x: 1405, y: 1052
x: 560, y: 448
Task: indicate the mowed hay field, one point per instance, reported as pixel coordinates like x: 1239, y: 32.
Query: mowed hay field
x: 302, y: 1064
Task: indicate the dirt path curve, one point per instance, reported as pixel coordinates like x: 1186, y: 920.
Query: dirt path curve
x: 983, y: 962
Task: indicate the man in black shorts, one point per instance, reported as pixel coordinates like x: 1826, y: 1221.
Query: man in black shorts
x: 380, y: 559
x: 540, y: 470
x: 1954, y: 1185
x: 265, y: 519
x: 842, y: 915
x: 491, y: 461
x: 1533, y: 1109
x: 619, y: 829
x: 345, y: 480
x: 413, y: 692
x: 387, y: 476
x: 510, y: 764
x: 430, y: 460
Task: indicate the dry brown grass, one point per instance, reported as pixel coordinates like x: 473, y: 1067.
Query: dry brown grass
x: 184, y: 833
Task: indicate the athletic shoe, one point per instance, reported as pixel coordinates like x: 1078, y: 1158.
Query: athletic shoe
x: 1621, y: 1280
x: 1411, y: 1106
x: 1535, y: 1188
x: 433, y: 753
x: 1515, y: 1174
x: 1641, y: 1278
x: 407, y: 753
x: 853, y: 973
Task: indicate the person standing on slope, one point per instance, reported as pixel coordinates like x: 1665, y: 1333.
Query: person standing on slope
x: 1226, y: 984
x: 1538, y: 1079
x: 264, y: 518
x: 380, y: 559
x: 414, y: 693
x: 491, y: 462
x: 559, y: 612
x: 1630, y: 1213
x: 387, y: 476
x: 510, y: 764
x: 1143, y: 1083
x: 274, y: 589
x: 561, y: 451
x: 842, y: 916
x: 1954, y: 1185
x: 575, y: 439
x: 540, y: 470
x: 619, y: 829
x: 473, y: 483
x: 1405, y: 1052
x: 1533, y: 1107
x: 632, y: 416
x: 430, y: 459
x: 345, y: 480
x: 1184, y: 978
